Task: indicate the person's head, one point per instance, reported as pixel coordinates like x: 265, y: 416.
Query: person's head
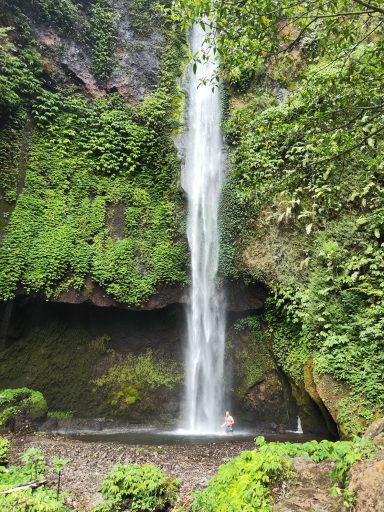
x: 227, y: 413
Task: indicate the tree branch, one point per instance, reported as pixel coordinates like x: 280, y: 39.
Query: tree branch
x: 368, y: 5
x: 336, y: 15
x: 348, y: 150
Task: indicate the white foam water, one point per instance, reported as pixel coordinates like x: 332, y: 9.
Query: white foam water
x: 299, y: 429
x: 202, y: 179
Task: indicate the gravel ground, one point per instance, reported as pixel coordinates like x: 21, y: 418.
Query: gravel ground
x: 192, y: 464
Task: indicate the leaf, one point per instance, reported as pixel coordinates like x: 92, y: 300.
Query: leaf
x: 308, y: 228
x: 371, y: 142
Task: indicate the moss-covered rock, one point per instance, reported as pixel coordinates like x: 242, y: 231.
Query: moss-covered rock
x: 261, y: 386
x: 139, y: 382
x: 20, y: 408
x: 125, y: 372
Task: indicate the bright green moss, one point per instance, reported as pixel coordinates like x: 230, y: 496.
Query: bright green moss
x: 14, y: 402
x: 134, y: 378
x: 4, y: 451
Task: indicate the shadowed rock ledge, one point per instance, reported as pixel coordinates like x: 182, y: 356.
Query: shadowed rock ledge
x: 239, y: 297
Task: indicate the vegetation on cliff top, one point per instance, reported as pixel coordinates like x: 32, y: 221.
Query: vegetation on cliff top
x: 100, y: 195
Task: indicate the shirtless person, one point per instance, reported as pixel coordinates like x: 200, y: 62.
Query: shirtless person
x: 228, y: 423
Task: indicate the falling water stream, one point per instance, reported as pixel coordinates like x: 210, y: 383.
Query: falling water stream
x: 202, y: 180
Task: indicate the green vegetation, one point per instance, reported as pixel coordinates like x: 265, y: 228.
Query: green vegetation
x: 22, y: 403
x: 82, y: 375
x: 102, y: 178
x: 102, y: 36
x: 145, y: 13
x: 251, y: 357
x: 139, y: 488
x: 4, y: 451
x: 39, y: 500
x: 61, y: 415
x: 245, y: 483
x: 302, y: 210
x: 320, y: 184
x: 140, y: 377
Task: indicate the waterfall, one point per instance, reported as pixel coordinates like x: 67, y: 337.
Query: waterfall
x: 299, y: 429
x: 202, y: 180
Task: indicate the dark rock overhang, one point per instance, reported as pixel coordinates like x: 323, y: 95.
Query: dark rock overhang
x: 239, y: 297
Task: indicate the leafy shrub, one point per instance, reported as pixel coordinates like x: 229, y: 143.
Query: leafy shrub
x: 34, y: 463
x: 246, y: 481
x: 139, y: 488
x: 4, y: 451
x: 38, y: 500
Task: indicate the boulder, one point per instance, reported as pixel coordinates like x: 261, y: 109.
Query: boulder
x: 308, y: 490
x: 20, y: 408
x: 376, y: 432
x: 367, y: 483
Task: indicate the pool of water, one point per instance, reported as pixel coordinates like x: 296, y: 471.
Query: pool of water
x: 159, y: 437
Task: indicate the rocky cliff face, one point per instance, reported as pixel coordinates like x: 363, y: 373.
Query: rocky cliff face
x: 136, y: 54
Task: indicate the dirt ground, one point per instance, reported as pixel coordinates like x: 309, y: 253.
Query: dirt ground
x: 192, y: 464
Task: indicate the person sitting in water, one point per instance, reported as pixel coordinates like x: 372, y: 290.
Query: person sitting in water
x: 228, y: 423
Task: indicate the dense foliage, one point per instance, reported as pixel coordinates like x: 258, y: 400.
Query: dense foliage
x: 246, y: 34
x: 34, y: 467
x: 245, y: 483
x: 311, y: 169
x: 139, y: 488
x: 97, y: 193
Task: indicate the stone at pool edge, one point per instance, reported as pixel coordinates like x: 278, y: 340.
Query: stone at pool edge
x: 68, y: 425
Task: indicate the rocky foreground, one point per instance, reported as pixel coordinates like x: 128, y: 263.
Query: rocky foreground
x: 194, y: 465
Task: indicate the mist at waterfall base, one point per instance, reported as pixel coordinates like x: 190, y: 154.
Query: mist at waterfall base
x: 202, y: 180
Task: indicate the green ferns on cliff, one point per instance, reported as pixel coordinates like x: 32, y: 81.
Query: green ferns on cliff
x: 100, y: 196
x: 310, y: 170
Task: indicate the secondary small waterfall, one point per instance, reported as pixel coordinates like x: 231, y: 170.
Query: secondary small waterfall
x: 299, y: 428
x: 202, y: 180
